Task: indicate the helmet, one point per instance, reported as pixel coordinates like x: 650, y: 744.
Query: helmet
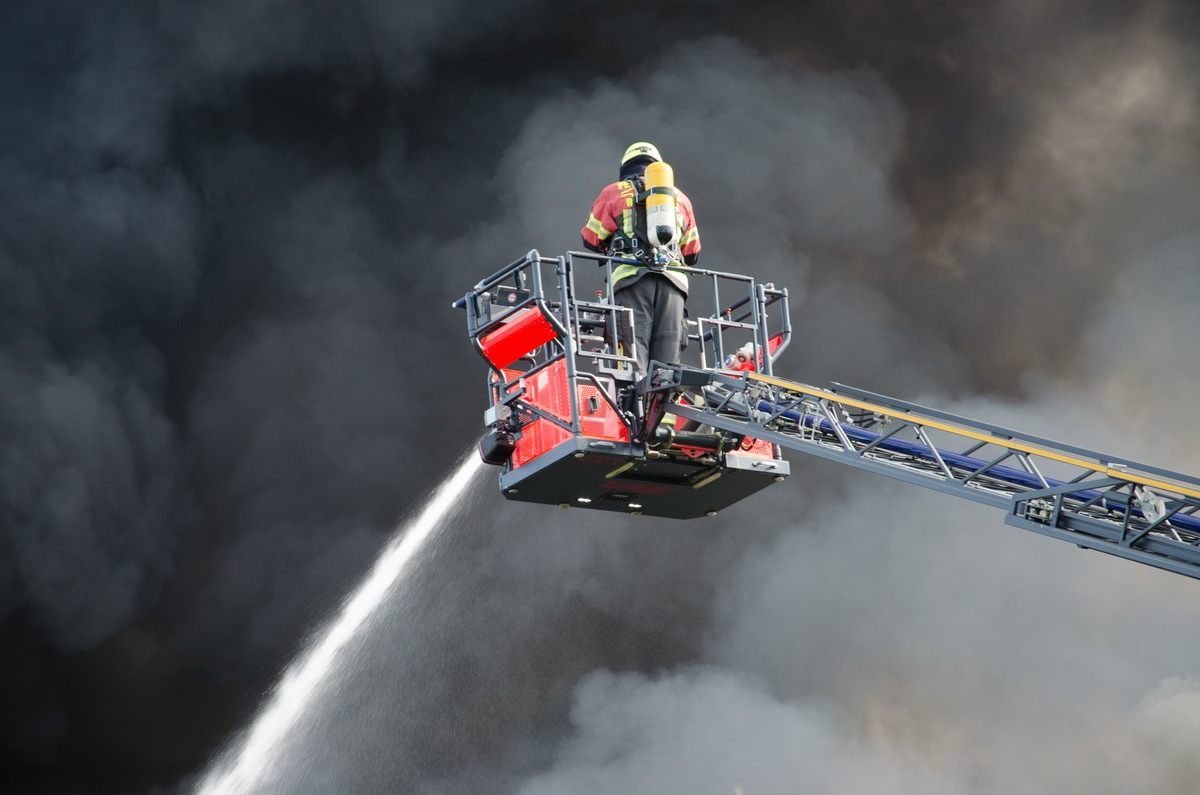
x: 641, y: 149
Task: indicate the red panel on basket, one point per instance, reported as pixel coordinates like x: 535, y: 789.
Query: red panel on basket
x: 537, y: 438
x: 547, y: 390
x: 604, y: 423
x: 525, y: 333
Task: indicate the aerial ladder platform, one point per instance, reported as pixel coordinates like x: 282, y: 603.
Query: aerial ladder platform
x: 571, y: 423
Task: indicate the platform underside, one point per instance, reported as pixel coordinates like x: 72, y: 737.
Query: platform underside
x: 616, y: 476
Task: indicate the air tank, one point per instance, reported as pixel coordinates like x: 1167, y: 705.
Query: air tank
x: 661, y: 226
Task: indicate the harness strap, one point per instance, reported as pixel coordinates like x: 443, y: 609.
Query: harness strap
x: 659, y: 191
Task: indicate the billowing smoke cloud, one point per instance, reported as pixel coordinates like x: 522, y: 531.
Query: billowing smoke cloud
x: 229, y: 237
x: 710, y: 731
x: 758, y: 138
x: 211, y: 331
x: 958, y: 643
x: 1162, y: 722
x: 529, y: 617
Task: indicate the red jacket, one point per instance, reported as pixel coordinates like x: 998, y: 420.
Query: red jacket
x: 613, y: 210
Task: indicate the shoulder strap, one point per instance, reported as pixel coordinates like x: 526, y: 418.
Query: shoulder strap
x: 639, y: 188
x: 659, y: 191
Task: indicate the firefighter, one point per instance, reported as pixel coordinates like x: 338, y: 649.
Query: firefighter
x: 644, y: 283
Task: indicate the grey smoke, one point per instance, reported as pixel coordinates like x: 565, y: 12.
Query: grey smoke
x: 93, y: 479
x: 789, y: 162
x: 228, y: 239
x: 711, y: 730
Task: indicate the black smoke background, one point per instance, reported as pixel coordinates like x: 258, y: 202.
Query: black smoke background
x: 229, y: 234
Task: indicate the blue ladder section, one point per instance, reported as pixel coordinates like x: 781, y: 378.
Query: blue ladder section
x: 1106, y: 503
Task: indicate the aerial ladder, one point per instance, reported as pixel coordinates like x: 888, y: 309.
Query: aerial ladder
x: 571, y: 423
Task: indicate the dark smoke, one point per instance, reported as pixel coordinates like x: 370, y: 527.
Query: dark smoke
x: 230, y: 233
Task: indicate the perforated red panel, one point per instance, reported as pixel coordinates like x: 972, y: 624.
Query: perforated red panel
x: 548, y: 391
x: 602, y: 423
x: 760, y: 447
x: 537, y: 438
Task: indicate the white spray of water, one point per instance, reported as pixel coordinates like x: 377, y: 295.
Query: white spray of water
x: 305, y: 676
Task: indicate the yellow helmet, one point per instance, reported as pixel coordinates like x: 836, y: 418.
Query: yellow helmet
x: 641, y: 149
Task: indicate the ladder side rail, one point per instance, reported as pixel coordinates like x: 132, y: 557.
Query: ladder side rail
x: 1162, y: 521
x: 1079, y: 492
x: 1119, y: 537
x: 1013, y: 480
x: 1086, y: 531
x: 1091, y: 488
x: 1007, y: 433
x: 840, y: 454
x: 1078, y: 531
x: 972, y: 429
x: 1021, y: 479
x: 1032, y: 478
x: 1174, y: 528
x: 924, y: 451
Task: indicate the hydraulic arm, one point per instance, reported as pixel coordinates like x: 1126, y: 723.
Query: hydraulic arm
x: 1096, y: 501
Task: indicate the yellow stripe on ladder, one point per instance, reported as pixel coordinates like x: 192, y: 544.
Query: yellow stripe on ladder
x: 1008, y: 444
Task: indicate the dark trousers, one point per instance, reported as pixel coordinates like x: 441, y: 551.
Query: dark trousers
x: 657, y: 306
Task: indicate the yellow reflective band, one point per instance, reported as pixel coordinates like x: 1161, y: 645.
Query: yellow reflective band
x: 1008, y: 444
x: 691, y: 235
x: 597, y: 226
x: 622, y: 272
